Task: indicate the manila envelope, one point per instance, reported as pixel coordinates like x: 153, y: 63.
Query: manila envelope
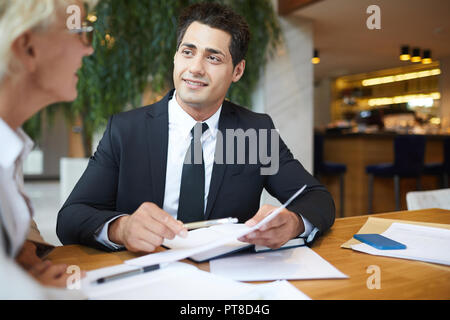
x: 380, y: 225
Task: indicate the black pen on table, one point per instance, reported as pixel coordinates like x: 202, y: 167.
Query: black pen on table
x: 126, y: 274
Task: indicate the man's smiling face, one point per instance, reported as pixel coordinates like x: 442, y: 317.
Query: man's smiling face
x: 203, y: 67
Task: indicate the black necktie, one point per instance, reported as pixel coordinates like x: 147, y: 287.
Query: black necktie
x: 191, y: 205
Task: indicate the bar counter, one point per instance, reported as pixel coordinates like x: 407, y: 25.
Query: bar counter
x: 358, y: 150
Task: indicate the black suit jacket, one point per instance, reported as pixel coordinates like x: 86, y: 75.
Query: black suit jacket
x: 129, y: 168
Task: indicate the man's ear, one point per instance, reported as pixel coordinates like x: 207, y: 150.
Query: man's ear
x: 24, y: 51
x: 238, y: 71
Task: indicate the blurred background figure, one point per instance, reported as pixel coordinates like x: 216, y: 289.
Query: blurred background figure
x: 39, y: 59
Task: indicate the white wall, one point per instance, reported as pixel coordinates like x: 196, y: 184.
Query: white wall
x: 286, y: 90
x: 322, y: 102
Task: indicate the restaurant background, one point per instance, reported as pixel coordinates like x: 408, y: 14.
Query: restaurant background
x: 359, y: 98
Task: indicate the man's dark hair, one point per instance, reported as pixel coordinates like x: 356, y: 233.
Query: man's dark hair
x: 219, y: 17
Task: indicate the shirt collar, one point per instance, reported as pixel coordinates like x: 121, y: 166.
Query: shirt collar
x: 181, y: 121
x: 14, y: 144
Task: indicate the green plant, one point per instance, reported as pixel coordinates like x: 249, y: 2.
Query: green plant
x: 134, y: 44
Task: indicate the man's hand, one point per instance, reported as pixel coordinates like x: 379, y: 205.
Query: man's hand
x: 284, y: 227
x: 145, y: 229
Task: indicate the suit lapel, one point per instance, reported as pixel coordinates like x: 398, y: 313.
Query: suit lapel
x: 158, y: 139
x: 227, y: 120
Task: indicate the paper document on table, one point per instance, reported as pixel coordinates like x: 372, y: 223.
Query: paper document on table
x: 205, y: 236
x: 289, y: 264
x: 422, y: 243
x: 380, y: 225
x: 181, y: 281
x: 199, y: 245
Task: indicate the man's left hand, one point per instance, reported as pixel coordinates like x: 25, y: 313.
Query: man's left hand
x: 284, y: 227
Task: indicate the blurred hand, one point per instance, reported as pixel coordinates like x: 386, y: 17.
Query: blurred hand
x: 45, y: 272
x: 27, y: 256
x: 284, y: 227
x: 51, y: 275
x: 145, y: 229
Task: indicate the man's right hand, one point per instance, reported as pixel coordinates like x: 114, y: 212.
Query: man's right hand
x: 145, y: 229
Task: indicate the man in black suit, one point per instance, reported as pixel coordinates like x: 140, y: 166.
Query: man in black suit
x: 141, y: 184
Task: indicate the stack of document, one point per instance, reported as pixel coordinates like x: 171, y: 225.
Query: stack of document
x: 422, y: 243
x: 200, y: 245
x: 205, y: 236
x: 297, y: 263
x: 181, y: 281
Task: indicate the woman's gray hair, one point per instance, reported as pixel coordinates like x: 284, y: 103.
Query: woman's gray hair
x: 19, y: 16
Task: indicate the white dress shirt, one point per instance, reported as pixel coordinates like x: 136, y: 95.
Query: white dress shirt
x: 16, y: 214
x: 15, y: 206
x: 15, y: 282
x: 180, y: 136
x: 180, y: 126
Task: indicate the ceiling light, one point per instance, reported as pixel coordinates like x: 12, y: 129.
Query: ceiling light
x: 416, y: 55
x: 426, y: 57
x: 424, y: 102
x: 402, y: 99
x: 315, y: 59
x: 404, y: 53
x: 401, y: 77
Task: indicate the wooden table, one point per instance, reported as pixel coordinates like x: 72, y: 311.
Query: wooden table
x: 400, y: 279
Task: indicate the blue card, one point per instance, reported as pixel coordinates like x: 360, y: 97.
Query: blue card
x: 380, y: 242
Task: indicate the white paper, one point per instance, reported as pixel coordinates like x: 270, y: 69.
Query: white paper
x: 422, y: 243
x: 296, y: 263
x: 276, y: 290
x: 203, y: 236
x: 190, y: 249
x: 181, y: 281
x: 231, y: 235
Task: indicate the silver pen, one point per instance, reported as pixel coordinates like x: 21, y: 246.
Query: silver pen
x: 126, y: 274
x: 208, y: 223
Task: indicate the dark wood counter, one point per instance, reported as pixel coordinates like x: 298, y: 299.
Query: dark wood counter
x: 358, y: 150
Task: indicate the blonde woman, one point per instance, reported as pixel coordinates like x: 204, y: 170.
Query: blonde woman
x: 39, y: 59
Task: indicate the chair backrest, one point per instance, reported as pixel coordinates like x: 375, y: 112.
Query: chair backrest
x: 318, y: 152
x: 409, y: 153
x: 447, y: 155
x: 417, y: 200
